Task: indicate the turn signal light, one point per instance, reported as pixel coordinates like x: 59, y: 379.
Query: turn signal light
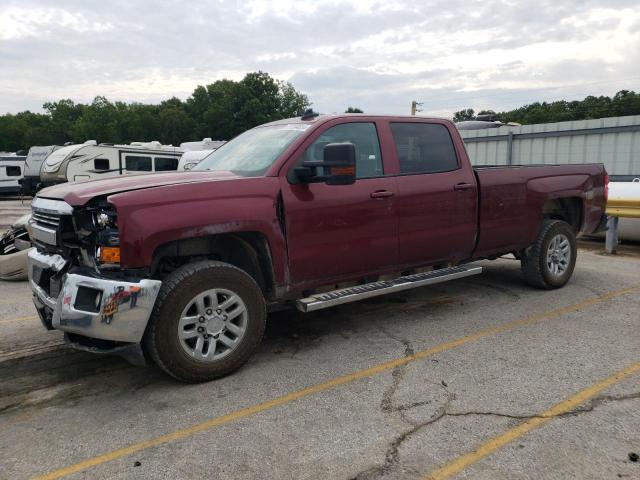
x: 109, y: 255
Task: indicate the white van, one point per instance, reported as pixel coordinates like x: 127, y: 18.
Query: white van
x: 33, y: 165
x: 88, y: 161
x: 11, y: 172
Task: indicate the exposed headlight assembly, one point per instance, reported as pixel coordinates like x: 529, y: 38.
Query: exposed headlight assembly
x: 105, y: 221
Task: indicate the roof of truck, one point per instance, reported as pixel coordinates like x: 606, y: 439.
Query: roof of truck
x: 322, y: 117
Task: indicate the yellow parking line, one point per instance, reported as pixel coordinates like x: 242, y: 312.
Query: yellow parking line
x: 500, y: 441
x: 18, y: 319
x: 321, y: 387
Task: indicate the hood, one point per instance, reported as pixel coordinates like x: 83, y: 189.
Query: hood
x: 77, y: 194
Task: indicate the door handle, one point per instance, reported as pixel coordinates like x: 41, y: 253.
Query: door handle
x: 381, y: 194
x: 462, y: 186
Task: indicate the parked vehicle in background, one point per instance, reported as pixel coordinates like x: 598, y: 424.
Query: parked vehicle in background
x: 14, y: 245
x: 624, y: 203
x: 30, y: 183
x: 89, y: 161
x: 190, y: 159
x: 11, y: 171
x: 204, y: 144
x: 309, y: 212
x: 195, y: 152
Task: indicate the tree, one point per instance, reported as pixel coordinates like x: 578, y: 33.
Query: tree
x: 99, y: 121
x: 63, y: 115
x: 353, y: 110
x: 220, y: 110
x: 463, y: 115
x: 625, y: 102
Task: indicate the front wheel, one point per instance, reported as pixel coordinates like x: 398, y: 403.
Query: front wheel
x: 208, y: 320
x: 550, y: 261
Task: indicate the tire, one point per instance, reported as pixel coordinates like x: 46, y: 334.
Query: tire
x: 545, y: 266
x: 188, y: 288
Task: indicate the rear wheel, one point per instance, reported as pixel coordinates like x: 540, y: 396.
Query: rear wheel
x: 208, y: 320
x: 550, y: 261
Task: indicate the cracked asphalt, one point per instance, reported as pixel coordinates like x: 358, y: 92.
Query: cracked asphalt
x: 453, y: 390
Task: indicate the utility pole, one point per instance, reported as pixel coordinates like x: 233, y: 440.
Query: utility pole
x: 414, y: 107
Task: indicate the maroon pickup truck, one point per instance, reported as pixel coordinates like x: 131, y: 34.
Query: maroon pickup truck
x: 310, y: 212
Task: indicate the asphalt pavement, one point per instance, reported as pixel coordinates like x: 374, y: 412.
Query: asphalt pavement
x: 482, y: 377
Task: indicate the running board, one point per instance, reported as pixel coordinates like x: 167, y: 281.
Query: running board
x: 359, y: 292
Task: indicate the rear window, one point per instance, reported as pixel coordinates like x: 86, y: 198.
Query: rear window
x: 136, y: 163
x: 424, y: 148
x: 164, y: 164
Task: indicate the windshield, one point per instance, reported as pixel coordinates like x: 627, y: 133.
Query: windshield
x: 253, y: 152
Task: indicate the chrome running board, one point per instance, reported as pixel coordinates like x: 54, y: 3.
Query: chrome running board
x: 359, y: 292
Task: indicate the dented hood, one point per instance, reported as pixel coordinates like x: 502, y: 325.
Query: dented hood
x: 77, y: 194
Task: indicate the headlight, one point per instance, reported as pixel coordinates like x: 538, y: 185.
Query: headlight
x: 107, y: 240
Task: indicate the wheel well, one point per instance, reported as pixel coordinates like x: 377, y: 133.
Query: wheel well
x: 248, y: 251
x: 566, y: 209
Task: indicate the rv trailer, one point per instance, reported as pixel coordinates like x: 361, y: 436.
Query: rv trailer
x: 204, y: 144
x: 11, y: 171
x: 90, y: 160
x: 191, y: 158
x: 30, y: 184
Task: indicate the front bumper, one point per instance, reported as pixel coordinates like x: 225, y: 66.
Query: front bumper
x: 88, y: 305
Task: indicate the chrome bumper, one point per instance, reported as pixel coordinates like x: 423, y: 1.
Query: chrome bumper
x: 94, y: 307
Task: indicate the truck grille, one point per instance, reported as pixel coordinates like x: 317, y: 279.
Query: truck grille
x: 46, y: 220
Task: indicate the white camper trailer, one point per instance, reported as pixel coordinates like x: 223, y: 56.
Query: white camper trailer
x: 33, y: 164
x: 11, y: 172
x: 89, y: 161
x: 195, y: 152
x: 190, y: 159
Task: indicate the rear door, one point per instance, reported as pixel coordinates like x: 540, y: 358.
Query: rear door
x: 437, y: 199
x: 342, y: 231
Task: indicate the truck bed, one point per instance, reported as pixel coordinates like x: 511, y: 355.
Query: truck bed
x: 513, y: 198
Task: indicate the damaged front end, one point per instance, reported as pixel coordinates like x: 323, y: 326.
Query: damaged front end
x: 78, y: 284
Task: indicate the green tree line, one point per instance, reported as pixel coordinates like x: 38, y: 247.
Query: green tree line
x: 625, y: 102
x: 220, y: 110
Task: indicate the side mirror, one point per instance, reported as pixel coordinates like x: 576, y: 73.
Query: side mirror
x: 339, y: 165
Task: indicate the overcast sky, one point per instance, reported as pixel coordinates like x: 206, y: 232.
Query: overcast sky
x: 376, y: 55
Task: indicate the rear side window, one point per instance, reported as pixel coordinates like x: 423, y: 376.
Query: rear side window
x: 164, y: 164
x: 135, y: 163
x: 13, y: 171
x: 424, y: 147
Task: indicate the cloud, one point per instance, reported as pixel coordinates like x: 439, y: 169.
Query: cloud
x: 377, y: 55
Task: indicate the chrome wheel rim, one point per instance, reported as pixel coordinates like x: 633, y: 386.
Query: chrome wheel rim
x: 212, y: 324
x: 558, y: 255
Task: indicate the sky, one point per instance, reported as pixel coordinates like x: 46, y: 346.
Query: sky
x: 375, y: 55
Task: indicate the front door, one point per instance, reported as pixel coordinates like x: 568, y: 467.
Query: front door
x: 342, y: 231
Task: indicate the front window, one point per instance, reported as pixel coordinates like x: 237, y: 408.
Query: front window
x: 363, y: 136
x: 253, y: 152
